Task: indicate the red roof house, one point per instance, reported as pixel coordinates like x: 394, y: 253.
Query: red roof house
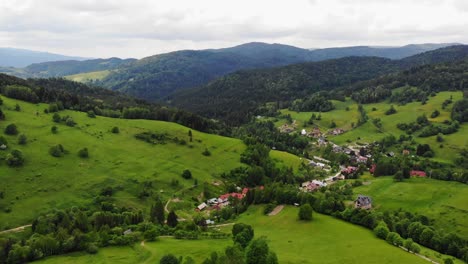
x: 418, y: 173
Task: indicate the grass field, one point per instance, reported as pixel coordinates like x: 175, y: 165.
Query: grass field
x: 88, y: 76
x: 405, y: 114
x: 446, y: 202
x: 117, y: 160
x: 151, y: 252
x: 324, y: 240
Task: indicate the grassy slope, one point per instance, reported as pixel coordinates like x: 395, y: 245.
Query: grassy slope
x: 88, y: 76
x: 405, y: 114
x: 45, y: 182
x: 446, y: 202
x: 324, y: 240
x: 152, y: 252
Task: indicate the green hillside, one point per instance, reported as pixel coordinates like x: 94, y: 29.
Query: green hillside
x: 88, y: 76
x: 116, y: 160
x: 445, y: 202
x: 368, y: 132
x: 324, y: 240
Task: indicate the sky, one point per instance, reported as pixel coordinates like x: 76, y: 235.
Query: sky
x: 139, y: 28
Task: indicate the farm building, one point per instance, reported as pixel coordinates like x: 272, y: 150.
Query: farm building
x: 363, y: 202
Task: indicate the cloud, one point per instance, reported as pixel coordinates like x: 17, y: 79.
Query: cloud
x: 136, y: 28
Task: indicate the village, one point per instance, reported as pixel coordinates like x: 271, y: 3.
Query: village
x: 359, y: 158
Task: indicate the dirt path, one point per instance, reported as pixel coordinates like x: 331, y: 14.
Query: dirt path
x: 276, y: 210
x: 419, y: 255
x: 13, y: 230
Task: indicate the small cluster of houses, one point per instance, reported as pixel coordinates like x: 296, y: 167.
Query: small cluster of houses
x: 223, y: 200
x: 311, y: 186
x: 363, y: 202
x: 336, y: 131
x: 314, y: 133
x: 288, y: 128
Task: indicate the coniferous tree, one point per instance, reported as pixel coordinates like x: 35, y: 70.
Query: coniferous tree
x: 172, y: 219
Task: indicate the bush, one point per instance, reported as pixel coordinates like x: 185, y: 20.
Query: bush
x: 381, y: 230
x: 92, y: 248
x: 115, y: 130
x: 17, y: 108
x: 2, y: 115
x: 391, y: 111
x: 206, y: 152
x: 54, y: 130
x: 70, y: 122
x: 186, y: 174
x: 269, y: 208
x: 22, y: 139
x: 83, y: 153
x: 305, y: 212
x: 15, y: 158
x: 57, y: 151
x: 3, y: 141
x: 56, y: 118
x: 91, y: 114
x: 169, y: 259
x: 11, y: 129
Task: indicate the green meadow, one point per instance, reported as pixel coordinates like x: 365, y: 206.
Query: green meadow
x: 116, y: 160
x: 343, y: 118
x: 323, y: 240
x: 88, y: 76
x: 445, y: 202
x: 150, y: 252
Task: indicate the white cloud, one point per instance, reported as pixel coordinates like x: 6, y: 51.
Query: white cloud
x: 137, y: 28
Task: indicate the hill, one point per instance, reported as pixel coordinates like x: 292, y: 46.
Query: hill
x: 237, y: 96
x: 10, y: 57
x: 325, y: 239
x: 65, y: 67
x: 157, y: 76
x: 120, y: 161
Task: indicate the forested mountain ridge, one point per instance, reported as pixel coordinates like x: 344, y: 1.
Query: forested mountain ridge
x: 65, y: 67
x: 65, y: 94
x: 155, y: 77
x: 235, y: 97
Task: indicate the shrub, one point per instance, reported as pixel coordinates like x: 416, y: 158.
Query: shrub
x: 2, y: 115
x: 70, y: 122
x: 54, y: 130
x: 83, y: 153
x: 187, y: 174
x: 15, y: 158
x: 92, y: 248
x: 17, y: 107
x: 305, y: 212
x: 3, y: 141
x: 391, y: 111
x: 11, y: 129
x: 22, y: 139
x: 115, y: 130
x: 206, y: 152
x: 56, y: 118
x: 57, y: 151
x: 169, y: 259
x: 91, y: 114
x: 435, y: 114
x: 381, y: 230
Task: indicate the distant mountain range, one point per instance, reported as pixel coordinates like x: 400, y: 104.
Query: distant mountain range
x: 156, y: 77
x: 11, y: 57
x: 235, y: 97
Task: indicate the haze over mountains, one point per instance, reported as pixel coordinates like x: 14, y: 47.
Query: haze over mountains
x: 12, y: 57
x: 156, y: 77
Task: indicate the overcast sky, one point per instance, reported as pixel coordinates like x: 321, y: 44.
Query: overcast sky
x: 138, y: 28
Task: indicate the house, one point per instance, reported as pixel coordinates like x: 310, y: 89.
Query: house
x: 348, y: 170
x: 310, y: 186
x: 315, y: 133
x: 337, y: 149
x: 405, y: 152
x: 209, y: 222
x: 303, y: 132
x: 417, y: 173
x: 391, y: 154
x: 127, y: 232
x: 337, y: 131
x: 361, y: 159
x: 201, y: 207
x: 363, y: 202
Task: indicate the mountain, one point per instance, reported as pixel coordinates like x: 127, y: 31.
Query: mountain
x: 10, y: 57
x: 64, y: 68
x: 155, y: 77
x: 235, y: 97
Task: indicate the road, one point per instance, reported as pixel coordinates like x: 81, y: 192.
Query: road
x: 14, y: 230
